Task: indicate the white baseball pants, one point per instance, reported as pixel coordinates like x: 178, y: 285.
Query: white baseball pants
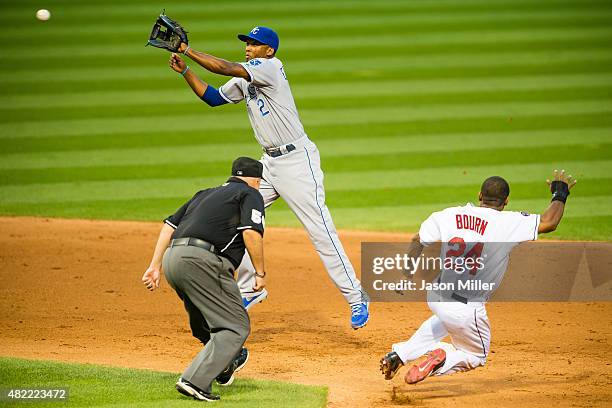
x: 297, y: 178
x: 468, y: 327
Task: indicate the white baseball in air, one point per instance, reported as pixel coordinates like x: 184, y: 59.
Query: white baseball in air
x: 43, y: 14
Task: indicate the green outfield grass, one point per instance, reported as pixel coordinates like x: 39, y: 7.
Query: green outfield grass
x: 412, y: 105
x: 96, y: 386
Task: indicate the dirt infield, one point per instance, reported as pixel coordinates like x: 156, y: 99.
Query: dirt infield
x: 71, y: 291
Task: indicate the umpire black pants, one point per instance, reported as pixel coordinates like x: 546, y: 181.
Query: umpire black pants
x: 205, y: 283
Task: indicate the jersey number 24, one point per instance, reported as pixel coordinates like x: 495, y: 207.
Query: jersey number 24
x: 457, y: 249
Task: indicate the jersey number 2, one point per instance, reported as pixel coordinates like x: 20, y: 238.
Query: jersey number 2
x: 457, y: 247
x: 261, y: 105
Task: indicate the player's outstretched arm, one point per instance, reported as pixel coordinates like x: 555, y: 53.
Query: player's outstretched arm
x: 197, y: 85
x: 214, y: 64
x: 560, y: 188
x: 207, y: 93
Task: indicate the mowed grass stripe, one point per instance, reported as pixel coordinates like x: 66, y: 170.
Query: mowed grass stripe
x: 408, y: 218
x: 590, y: 187
x: 152, y: 57
x: 339, y: 148
x: 364, y: 20
x: 399, y: 196
x: 302, y: 92
x: 414, y: 214
x: 294, y: 48
x: 173, y: 81
x: 281, y: 8
x: 582, y: 226
x: 588, y: 218
x: 352, y: 62
x: 161, y: 137
x: 355, y: 163
x: 440, y: 65
x: 231, y: 119
x: 201, y: 33
x: 191, y: 105
x: 117, y: 189
x: 382, y: 56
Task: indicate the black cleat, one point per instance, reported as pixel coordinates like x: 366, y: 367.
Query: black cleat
x: 390, y: 365
x: 190, y: 390
x: 227, y: 376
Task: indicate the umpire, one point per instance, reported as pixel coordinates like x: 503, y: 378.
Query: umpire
x: 202, y: 244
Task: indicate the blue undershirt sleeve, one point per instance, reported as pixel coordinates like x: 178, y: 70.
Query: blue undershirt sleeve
x: 212, y: 97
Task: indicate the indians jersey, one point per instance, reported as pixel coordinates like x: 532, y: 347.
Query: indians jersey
x: 269, y: 101
x: 476, y: 244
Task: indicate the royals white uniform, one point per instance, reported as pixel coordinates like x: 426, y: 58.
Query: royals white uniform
x: 490, y: 234
x: 295, y: 174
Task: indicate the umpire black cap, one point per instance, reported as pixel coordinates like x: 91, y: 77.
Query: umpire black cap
x: 247, y: 167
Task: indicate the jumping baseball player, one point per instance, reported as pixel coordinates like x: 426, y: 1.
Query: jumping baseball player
x: 292, y: 168
x: 485, y: 231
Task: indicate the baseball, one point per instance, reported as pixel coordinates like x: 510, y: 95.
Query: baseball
x: 43, y: 14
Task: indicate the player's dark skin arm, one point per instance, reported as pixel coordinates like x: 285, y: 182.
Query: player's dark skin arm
x: 253, y: 241
x: 197, y: 85
x: 220, y: 66
x: 551, y: 218
x: 216, y: 65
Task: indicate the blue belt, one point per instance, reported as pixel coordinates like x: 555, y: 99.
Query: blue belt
x: 279, y: 151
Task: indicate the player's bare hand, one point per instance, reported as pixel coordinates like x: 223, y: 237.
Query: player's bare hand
x: 151, y: 278
x: 177, y: 63
x: 260, y: 284
x: 561, y: 176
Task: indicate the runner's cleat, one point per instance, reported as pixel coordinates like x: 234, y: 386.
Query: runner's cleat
x: 251, y: 301
x: 425, y: 366
x: 390, y: 365
x: 359, y: 315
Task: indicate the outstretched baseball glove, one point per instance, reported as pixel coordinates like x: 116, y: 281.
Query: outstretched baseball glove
x: 167, y: 34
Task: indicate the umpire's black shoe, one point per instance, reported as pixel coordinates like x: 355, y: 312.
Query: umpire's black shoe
x: 390, y: 365
x: 190, y: 390
x: 227, y: 376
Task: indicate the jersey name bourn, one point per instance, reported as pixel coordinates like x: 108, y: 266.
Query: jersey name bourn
x: 471, y: 222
